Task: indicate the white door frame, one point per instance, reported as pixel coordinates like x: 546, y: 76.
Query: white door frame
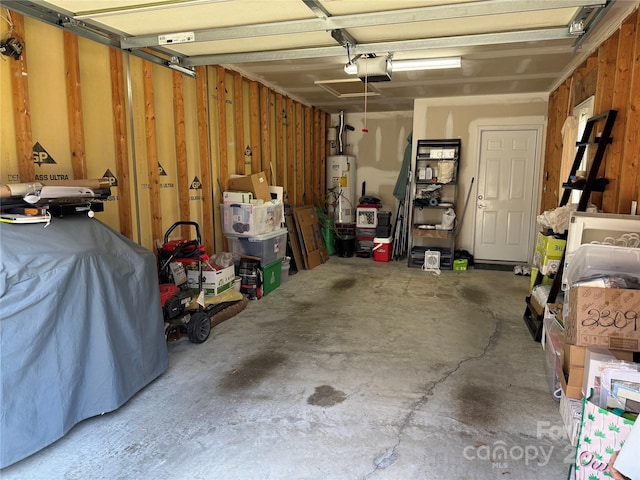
x: 536, y: 123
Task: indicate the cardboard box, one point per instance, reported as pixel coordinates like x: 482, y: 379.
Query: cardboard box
x: 571, y: 381
x: 236, y: 197
x: 545, y: 280
x: 573, y: 370
x: 549, y: 265
x: 548, y: 254
x: 574, y: 365
x: 554, y: 311
x: 549, y: 246
x: 256, y: 184
x: 554, y: 247
x: 605, y: 317
x: 537, y: 307
x: 574, y: 356
x: 214, y: 282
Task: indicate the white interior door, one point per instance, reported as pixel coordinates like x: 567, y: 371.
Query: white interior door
x: 505, y: 195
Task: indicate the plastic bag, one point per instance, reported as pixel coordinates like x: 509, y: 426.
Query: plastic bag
x: 448, y: 219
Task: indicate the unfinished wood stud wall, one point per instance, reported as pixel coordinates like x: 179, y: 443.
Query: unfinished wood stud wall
x: 166, y: 125
x: 21, y: 108
x: 181, y: 152
x: 280, y: 139
x: 120, y: 140
x: 222, y: 127
x: 152, y: 151
x: 74, y: 106
x: 238, y: 100
x: 612, y: 75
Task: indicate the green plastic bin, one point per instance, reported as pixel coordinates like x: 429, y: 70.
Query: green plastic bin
x: 271, y: 276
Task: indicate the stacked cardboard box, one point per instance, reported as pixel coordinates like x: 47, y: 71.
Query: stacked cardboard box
x: 601, y: 331
x: 600, y: 308
x: 548, y: 253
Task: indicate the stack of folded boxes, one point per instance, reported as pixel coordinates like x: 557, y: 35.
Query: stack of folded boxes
x: 253, y: 223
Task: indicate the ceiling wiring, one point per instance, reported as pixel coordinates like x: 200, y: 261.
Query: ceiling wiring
x: 7, y: 18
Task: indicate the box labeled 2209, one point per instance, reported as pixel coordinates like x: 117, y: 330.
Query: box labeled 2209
x: 605, y: 317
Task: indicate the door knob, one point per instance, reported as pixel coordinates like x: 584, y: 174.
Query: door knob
x: 480, y: 197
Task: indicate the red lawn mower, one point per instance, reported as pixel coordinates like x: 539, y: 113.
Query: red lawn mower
x: 175, y: 294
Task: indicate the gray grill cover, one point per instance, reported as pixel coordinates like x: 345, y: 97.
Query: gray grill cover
x: 81, y: 328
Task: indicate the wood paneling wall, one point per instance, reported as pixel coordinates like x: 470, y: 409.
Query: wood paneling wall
x: 212, y: 121
x: 612, y: 75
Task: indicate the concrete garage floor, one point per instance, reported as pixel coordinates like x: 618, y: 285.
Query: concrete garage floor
x: 353, y: 370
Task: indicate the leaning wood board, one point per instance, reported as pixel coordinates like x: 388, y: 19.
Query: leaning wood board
x: 294, y: 241
x: 309, y: 228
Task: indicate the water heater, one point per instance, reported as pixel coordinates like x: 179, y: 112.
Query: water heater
x: 341, y: 188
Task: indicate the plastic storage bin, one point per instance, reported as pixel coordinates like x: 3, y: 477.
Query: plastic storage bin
x: 271, y: 276
x: 246, y: 219
x: 593, y: 259
x: 369, y: 233
x: 384, y: 218
x: 268, y: 247
x: 554, y: 341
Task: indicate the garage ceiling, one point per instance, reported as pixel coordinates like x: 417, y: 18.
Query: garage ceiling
x: 299, y: 47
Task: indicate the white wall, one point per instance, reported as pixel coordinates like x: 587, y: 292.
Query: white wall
x: 461, y: 117
x: 378, y: 152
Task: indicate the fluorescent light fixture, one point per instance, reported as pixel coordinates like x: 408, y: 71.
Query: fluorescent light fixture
x: 181, y: 69
x: 425, y: 64
x: 410, y: 65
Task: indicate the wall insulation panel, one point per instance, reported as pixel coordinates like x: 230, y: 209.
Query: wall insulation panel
x: 48, y: 102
